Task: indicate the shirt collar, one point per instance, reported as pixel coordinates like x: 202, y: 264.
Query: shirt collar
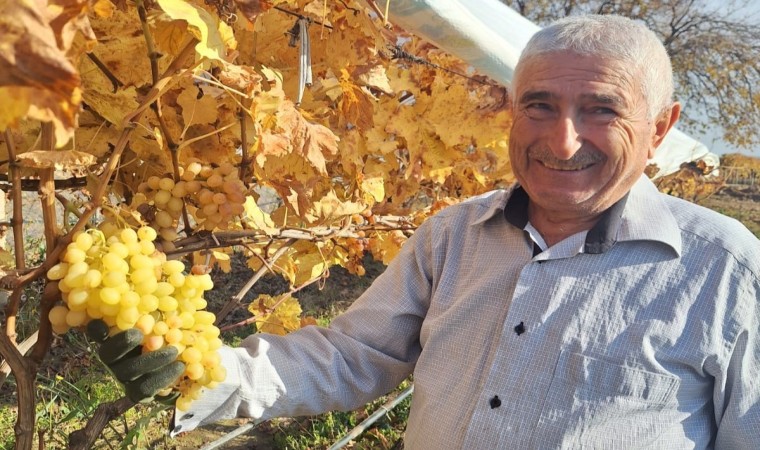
x: 642, y: 215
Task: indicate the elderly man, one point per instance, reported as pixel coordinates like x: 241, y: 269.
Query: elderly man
x: 579, y: 308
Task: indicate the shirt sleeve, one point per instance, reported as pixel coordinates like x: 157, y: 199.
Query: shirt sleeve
x: 737, y: 400
x: 365, y: 353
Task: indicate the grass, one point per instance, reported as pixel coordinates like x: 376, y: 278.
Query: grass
x: 324, y: 430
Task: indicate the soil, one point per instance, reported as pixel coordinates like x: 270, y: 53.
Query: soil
x: 739, y: 202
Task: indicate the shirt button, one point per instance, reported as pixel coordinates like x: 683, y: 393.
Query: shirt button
x: 494, y: 402
x: 520, y: 328
x: 188, y: 416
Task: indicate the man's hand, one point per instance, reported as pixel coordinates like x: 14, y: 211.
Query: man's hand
x: 143, y: 374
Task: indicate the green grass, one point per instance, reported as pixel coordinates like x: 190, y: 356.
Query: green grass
x: 320, y: 432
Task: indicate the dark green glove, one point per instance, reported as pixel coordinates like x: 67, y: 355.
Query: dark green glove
x: 143, y: 374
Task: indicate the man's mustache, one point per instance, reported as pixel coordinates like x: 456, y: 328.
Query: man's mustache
x: 582, y: 158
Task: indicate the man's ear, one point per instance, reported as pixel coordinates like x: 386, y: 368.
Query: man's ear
x: 663, y: 123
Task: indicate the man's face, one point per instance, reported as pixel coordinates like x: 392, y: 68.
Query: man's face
x: 580, y: 136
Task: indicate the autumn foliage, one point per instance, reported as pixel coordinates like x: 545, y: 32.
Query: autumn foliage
x: 358, y: 129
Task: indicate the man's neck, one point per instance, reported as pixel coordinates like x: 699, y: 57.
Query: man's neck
x: 556, y: 226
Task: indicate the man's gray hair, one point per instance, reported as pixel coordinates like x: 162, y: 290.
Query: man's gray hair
x: 614, y: 37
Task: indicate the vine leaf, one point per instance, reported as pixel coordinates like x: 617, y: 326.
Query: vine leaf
x: 214, y: 36
x: 330, y: 208
x: 356, y: 105
x: 57, y: 159
x: 284, y: 318
x: 294, y: 134
x: 258, y: 218
x: 197, y: 110
x: 374, y: 187
x: 37, y: 81
x: 373, y: 76
x: 252, y: 8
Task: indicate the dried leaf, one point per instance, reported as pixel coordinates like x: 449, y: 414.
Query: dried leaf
x: 38, y: 81
x: 196, y: 110
x: 250, y: 9
x: 55, y: 159
x: 374, y: 77
x: 205, y: 27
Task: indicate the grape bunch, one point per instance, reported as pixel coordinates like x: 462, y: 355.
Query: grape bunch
x: 221, y: 196
x: 161, y: 200
x: 117, y: 275
x: 215, y: 193
x: 354, y: 261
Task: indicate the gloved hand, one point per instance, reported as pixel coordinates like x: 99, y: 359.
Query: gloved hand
x: 143, y: 374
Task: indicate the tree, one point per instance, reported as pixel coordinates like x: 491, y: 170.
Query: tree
x: 175, y: 114
x: 714, y: 47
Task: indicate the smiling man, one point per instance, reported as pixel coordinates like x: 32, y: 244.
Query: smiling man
x: 579, y: 308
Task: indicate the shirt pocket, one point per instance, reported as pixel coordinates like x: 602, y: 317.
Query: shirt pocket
x: 596, y: 404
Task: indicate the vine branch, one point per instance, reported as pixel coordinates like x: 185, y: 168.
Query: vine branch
x: 234, y: 302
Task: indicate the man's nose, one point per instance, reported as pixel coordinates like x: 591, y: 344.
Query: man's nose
x: 565, y: 139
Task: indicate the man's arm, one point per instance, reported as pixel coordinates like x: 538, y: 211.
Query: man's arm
x: 737, y: 398
x: 366, y: 352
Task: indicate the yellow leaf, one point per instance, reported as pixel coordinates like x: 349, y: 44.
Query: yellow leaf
x: 112, y: 106
x: 170, y: 35
x: 356, y: 107
x: 223, y: 260
x: 38, y: 80
x: 258, y: 218
x: 204, y: 25
x: 197, y: 110
x: 228, y: 35
x: 375, y: 187
x: 386, y: 245
x: 103, y: 8
x: 374, y: 77
x: 276, y: 315
x: 15, y: 105
x: 330, y: 207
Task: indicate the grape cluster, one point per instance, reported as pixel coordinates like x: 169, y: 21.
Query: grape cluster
x: 215, y: 193
x: 356, y: 249
x: 161, y: 200
x: 117, y: 275
x: 221, y: 197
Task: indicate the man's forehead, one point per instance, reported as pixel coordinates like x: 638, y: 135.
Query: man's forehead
x: 583, y: 78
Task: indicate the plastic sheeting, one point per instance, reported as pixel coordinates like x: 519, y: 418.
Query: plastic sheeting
x: 490, y: 36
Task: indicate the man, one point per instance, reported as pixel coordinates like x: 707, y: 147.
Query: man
x: 579, y: 308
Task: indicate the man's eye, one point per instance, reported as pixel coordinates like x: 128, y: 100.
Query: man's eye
x: 539, y: 106
x: 603, y: 110
x: 538, y: 110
